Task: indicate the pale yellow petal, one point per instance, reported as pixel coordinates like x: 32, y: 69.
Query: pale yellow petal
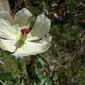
x: 5, y: 10
x: 7, y: 45
x: 41, y: 26
x: 6, y: 30
x: 33, y: 48
x: 22, y: 17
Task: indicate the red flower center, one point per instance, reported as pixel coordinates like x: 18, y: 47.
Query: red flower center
x: 25, y: 31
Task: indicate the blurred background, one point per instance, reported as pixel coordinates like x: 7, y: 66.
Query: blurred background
x: 64, y: 62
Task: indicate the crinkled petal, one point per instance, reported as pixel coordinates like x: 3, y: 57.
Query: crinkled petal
x: 5, y: 10
x: 6, y: 30
x: 7, y: 45
x: 22, y: 17
x: 33, y: 48
x: 41, y: 26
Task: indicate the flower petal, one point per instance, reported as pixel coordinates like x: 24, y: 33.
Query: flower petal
x: 22, y: 17
x: 32, y: 48
x: 7, y: 45
x: 5, y: 10
x: 6, y: 30
x: 41, y: 26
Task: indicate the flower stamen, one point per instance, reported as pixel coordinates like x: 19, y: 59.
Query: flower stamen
x: 25, y: 31
x: 23, y: 37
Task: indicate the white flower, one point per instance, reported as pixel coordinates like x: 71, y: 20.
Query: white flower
x: 16, y: 37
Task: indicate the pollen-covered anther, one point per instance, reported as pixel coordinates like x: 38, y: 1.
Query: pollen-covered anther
x: 25, y: 31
